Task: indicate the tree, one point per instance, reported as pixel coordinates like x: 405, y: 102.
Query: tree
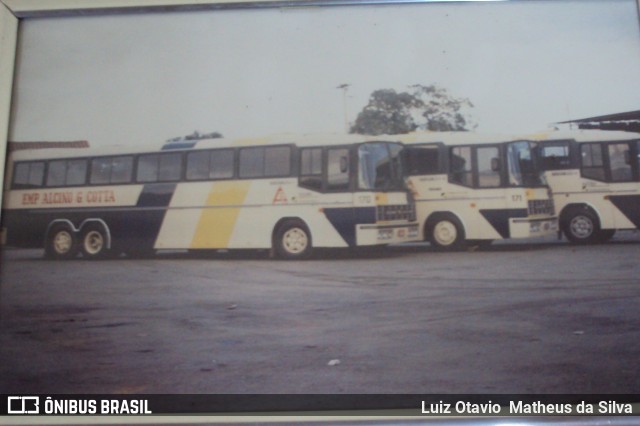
x: 423, y: 108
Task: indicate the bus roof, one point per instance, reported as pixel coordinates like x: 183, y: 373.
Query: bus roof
x: 187, y: 145
x: 447, y: 138
x: 455, y: 138
x: 584, y: 135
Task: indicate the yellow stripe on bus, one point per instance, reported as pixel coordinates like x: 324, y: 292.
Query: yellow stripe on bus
x: 381, y: 198
x: 217, y: 222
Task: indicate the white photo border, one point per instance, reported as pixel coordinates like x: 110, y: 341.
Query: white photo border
x: 13, y: 11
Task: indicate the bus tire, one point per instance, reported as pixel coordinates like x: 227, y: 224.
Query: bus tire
x: 445, y: 232
x: 292, y: 240
x: 581, y: 225
x: 61, y: 242
x: 93, y: 242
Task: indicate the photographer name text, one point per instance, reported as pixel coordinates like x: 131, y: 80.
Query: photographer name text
x: 525, y: 408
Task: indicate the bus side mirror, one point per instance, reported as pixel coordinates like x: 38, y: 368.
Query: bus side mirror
x: 344, y: 165
x: 495, y: 164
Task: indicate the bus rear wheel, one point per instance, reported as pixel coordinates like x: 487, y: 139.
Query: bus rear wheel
x: 61, y: 243
x: 581, y: 226
x: 293, y: 240
x: 94, y: 242
x: 445, y: 232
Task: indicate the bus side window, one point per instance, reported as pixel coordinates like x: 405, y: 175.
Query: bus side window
x: 56, y: 173
x: 121, y: 169
x: 221, y: 164
x: 170, y: 167
x: 76, y: 172
x: 488, y: 177
x: 619, y: 162
x: 216, y: 164
x: 147, y: 168
x: 592, y: 161
x: 277, y: 161
x: 311, y: 168
x: 21, y: 174
x: 555, y: 157
x: 29, y: 175
x: 251, y: 162
x: 198, y: 165
x: 111, y: 170
x: 422, y: 160
x: 338, y: 169
x: 100, y: 171
x: 159, y: 167
x: 269, y: 161
x: 460, y: 170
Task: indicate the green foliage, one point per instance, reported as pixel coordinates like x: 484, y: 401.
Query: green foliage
x: 423, y: 108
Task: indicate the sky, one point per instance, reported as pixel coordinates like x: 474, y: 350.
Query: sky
x: 144, y: 78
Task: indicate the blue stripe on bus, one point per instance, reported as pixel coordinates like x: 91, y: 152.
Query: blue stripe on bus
x: 344, y: 220
x: 156, y: 195
x: 142, y: 227
x: 499, y: 219
x: 629, y: 205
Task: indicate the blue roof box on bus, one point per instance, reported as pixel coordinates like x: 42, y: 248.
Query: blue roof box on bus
x: 183, y: 144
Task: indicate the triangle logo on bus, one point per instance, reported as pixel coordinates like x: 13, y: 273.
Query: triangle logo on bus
x: 280, y: 197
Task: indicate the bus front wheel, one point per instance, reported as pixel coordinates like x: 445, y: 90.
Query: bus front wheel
x: 581, y: 226
x: 61, y: 243
x: 293, y: 240
x: 445, y: 232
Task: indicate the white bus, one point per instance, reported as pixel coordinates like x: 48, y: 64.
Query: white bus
x: 288, y: 194
x: 595, y: 179
x: 473, y: 189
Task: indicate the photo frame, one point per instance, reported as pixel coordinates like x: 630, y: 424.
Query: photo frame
x: 13, y: 11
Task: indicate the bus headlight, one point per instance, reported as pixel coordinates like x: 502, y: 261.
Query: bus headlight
x: 534, y: 227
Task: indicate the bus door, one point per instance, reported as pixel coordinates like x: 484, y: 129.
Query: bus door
x: 476, y: 173
x: 425, y: 168
x: 622, y: 173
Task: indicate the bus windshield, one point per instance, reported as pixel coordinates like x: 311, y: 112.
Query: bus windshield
x: 379, y: 166
x: 522, y: 165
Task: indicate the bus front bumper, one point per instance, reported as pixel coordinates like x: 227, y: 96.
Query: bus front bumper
x: 530, y: 228
x: 369, y: 235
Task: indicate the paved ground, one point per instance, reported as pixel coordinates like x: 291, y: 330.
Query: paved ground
x: 542, y: 317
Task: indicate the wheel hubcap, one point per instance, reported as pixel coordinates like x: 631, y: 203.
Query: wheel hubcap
x: 62, y: 242
x: 93, y: 242
x: 445, y: 233
x: 581, y: 227
x: 295, y: 241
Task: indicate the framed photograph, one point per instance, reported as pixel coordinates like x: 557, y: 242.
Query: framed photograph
x: 437, y: 178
